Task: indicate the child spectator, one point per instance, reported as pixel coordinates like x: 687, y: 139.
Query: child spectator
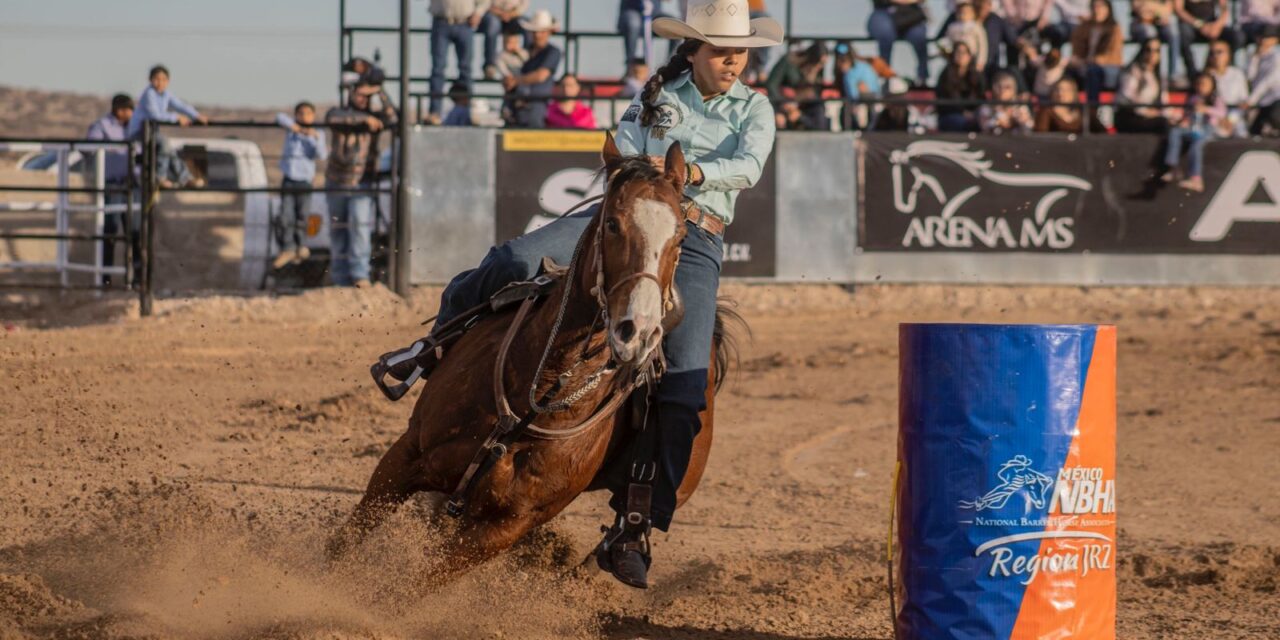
x: 502, y: 19
x: 513, y: 54
x: 965, y: 29
x: 1200, y: 118
x: 858, y: 81
x: 568, y: 112
x: 1049, y: 69
x: 964, y: 88
x: 1141, y: 91
x: 303, y: 146
x: 637, y: 75
x: 156, y: 103
x: 350, y: 177
x: 460, y: 114
x: 1065, y: 114
x: 1097, y: 50
x: 1005, y: 118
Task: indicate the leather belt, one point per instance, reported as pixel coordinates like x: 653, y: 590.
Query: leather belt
x: 693, y: 213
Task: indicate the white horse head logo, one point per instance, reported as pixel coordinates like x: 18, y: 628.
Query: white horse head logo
x: 973, y: 162
x: 1016, y: 476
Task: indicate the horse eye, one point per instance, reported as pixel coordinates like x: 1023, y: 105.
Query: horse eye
x: 612, y: 226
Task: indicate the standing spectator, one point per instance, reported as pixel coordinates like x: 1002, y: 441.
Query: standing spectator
x: 961, y: 84
x: 1232, y: 87
x: 1256, y: 16
x: 1064, y: 115
x: 1199, y: 122
x: 963, y: 27
x: 567, y: 111
x: 1097, y: 50
x: 156, y: 103
x: 111, y: 128
x: 857, y: 79
x: 1031, y: 20
x: 452, y: 22
x: 350, y: 177
x: 1203, y: 21
x: 502, y: 18
x: 460, y: 114
x: 1154, y: 19
x: 893, y: 20
x: 1002, y: 117
x: 303, y: 146
x: 1141, y: 90
x: 637, y: 75
x: 1264, y: 77
x: 532, y: 87
x: 631, y: 26
x: 802, y: 73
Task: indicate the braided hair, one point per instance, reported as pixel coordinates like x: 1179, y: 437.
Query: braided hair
x: 677, y: 65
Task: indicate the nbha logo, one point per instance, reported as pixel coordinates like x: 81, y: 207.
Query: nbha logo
x: 1252, y: 171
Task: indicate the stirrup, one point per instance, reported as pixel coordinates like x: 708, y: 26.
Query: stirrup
x: 396, y: 365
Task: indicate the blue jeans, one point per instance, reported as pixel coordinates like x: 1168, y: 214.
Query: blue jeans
x: 880, y: 26
x: 295, y: 200
x: 681, y: 395
x: 631, y: 26
x: 442, y: 35
x: 169, y: 166
x: 350, y: 235
x: 1098, y: 77
x: 1196, y: 138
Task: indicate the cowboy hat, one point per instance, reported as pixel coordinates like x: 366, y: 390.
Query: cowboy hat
x: 542, y: 21
x: 721, y: 23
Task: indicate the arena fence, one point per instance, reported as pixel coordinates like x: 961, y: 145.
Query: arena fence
x: 76, y: 228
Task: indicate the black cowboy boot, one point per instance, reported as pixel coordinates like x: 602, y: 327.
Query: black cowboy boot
x: 624, y: 552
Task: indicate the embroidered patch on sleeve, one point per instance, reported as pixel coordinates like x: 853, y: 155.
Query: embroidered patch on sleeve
x: 631, y: 114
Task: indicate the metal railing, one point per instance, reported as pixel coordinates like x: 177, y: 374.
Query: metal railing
x: 63, y: 211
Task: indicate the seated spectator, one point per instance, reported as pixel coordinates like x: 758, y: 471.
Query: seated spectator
x: 1000, y: 37
x: 637, y: 75
x: 964, y: 88
x: 1264, y: 77
x: 1141, y: 90
x: 790, y: 117
x: 757, y: 57
x: 530, y: 91
x: 858, y: 80
x: 1070, y: 14
x: 1204, y: 21
x: 514, y: 54
x: 567, y: 111
x: 1031, y: 20
x: 896, y: 114
x: 1256, y: 15
x: 1002, y: 117
x: 802, y: 73
x: 1097, y: 50
x: 156, y: 103
x: 1153, y: 19
x: 1232, y: 87
x: 894, y: 20
x: 111, y: 127
x: 502, y: 19
x: 460, y: 114
x: 304, y: 144
x: 631, y: 26
x: 1064, y: 114
x: 964, y: 28
x: 1049, y: 69
x: 1200, y: 119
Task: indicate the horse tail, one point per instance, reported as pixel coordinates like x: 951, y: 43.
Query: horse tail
x: 729, y: 323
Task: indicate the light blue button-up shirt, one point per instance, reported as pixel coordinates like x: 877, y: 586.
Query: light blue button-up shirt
x: 729, y: 137
x: 153, y: 105
x: 300, y: 152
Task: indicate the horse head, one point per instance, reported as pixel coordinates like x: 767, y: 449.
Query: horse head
x: 638, y: 232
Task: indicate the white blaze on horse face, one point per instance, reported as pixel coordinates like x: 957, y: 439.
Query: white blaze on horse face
x: 654, y: 223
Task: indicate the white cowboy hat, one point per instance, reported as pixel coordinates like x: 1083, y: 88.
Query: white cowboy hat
x: 542, y: 21
x: 722, y: 23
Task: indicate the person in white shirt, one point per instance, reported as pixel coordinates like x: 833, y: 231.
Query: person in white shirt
x: 1257, y: 15
x: 1233, y: 88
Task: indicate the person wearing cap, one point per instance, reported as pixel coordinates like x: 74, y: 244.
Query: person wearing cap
x: 452, y: 22
x: 531, y: 89
x: 726, y: 131
x: 350, y: 177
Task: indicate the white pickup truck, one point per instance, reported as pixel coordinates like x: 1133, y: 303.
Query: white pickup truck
x: 220, y: 239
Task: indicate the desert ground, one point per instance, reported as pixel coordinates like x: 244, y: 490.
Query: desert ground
x: 176, y: 476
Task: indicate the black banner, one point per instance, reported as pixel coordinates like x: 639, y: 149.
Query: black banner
x: 542, y: 174
x: 1049, y: 193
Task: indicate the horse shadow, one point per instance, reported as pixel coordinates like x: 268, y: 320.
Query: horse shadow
x: 617, y: 627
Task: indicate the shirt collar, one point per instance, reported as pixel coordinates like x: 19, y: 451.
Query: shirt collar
x: 738, y: 91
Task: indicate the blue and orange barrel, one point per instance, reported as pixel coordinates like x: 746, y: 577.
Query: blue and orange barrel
x: 1005, y: 495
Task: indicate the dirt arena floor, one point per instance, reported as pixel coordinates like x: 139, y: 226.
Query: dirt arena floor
x: 175, y: 477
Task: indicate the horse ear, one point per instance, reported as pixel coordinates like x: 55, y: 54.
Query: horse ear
x: 610, y: 154
x: 676, y: 170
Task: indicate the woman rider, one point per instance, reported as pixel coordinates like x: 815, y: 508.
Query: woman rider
x: 726, y: 131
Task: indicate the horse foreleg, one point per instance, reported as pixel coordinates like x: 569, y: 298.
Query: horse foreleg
x: 392, y: 482
x: 477, y: 541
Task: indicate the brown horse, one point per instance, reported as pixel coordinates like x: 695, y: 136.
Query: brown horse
x: 623, y: 272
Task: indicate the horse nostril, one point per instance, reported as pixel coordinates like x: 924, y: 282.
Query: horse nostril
x: 626, y: 330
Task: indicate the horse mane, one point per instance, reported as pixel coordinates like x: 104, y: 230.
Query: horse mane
x: 629, y: 168
x: 972, y: 161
